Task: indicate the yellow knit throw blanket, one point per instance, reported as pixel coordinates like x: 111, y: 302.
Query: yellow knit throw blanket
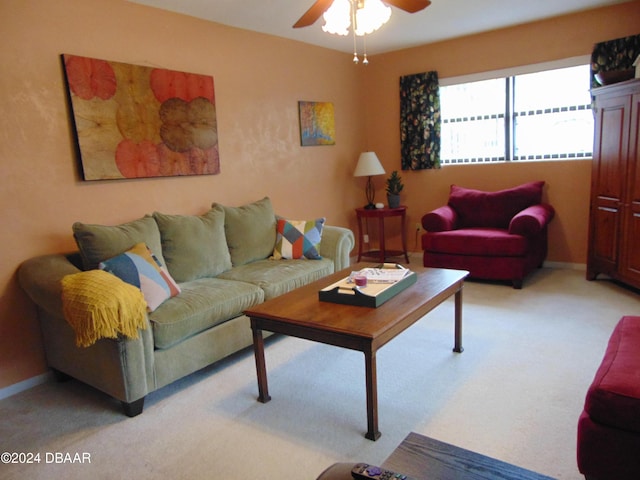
x: 97, y: 304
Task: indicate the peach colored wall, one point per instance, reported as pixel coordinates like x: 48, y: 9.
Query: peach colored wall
x: 568, y: 182
x: 258, y: 80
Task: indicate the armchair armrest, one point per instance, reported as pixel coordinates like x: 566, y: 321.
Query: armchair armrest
x: 440, y: 220
x: 531, y: 220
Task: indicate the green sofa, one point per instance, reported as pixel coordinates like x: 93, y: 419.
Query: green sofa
x: 222, y: 261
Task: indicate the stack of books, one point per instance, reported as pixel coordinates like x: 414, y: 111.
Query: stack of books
x: 387, y: 273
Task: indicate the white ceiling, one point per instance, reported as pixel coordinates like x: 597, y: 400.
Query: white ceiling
x: 443, y: 19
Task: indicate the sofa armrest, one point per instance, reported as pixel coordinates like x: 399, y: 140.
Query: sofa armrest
x: 532, y: 220
x: 440, y: 220
x: 41, y: 278
x: 123, y: 367
x: 337, y: 243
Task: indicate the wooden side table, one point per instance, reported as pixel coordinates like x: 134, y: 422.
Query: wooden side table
x: 380, y: 214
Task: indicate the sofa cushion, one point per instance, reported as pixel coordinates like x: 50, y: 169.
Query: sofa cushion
x: 276, y: 277
x: 613, y: 398
x: 139, y: 267
x: 203, y: 303
x: 298, y: 239
x: 489, y: 242
x: 101, y: 242
x: 250, y: 231
x: 476, y: 208
x: 194, y: 246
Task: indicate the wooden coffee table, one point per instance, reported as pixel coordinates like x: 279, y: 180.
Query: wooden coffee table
x: 300, y: 313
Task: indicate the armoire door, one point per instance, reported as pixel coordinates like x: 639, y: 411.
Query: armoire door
x: 609, y: 182
x: 630, y: 253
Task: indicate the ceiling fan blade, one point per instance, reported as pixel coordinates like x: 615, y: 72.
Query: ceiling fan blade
x: 313, y: 13
x: 411, y: 6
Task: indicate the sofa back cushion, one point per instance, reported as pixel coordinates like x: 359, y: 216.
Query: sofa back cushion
x: 98, y: 243
x: 476, y: 208
x: 194, y: 246
x: 250, y: 231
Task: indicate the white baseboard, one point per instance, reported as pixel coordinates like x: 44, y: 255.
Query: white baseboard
x: 25, y: 385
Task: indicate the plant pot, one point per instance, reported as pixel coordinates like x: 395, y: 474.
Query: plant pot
x: 393, y: 200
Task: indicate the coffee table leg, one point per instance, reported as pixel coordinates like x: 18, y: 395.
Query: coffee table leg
x: 372, y: 396
x: 261, y: 369
x: 457, y: 347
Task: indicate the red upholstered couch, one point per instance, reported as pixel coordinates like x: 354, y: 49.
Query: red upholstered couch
x: 609, y: 426
x: 494, y: 235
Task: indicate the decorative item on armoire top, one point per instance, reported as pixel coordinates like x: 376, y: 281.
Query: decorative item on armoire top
x: 614, y: 58
x: 135, y: 122
x: 394, y: 187
x: 317, y: 123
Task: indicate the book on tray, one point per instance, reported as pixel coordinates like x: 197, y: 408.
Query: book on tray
x: 369, y: 287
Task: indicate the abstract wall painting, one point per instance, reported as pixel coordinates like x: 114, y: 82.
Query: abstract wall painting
x: 317, y: 123
x: 138, y: 122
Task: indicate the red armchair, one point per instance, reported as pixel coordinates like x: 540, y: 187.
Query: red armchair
x: 494, y: 235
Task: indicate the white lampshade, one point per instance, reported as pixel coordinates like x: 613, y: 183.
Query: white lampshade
x: 368, y: 164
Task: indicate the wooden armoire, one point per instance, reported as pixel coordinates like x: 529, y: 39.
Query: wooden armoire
x: 614, y: 224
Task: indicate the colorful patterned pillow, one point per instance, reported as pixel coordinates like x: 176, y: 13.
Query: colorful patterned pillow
x: 298, y: 239
x: 139, y: 267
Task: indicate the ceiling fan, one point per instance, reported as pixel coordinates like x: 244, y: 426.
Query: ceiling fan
x: 321, y: 6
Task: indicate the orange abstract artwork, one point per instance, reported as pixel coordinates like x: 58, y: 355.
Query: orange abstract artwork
x: 136, y: 122
x: 317, y: 123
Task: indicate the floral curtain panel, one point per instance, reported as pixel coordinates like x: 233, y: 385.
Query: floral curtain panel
x: 420, y: 121
x: 612, y: 55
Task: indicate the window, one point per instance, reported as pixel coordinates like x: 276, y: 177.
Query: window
x: 535, y: 116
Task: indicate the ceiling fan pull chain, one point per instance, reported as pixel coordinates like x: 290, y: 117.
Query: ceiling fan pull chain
x: 365, y: 61
x: 353, y: 29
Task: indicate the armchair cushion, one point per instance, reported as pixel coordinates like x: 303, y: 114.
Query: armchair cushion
x: 532, y: 220
x: 476, y: 208
x: 488, y: 242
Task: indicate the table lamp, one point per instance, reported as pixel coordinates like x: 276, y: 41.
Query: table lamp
x: 368, y: 165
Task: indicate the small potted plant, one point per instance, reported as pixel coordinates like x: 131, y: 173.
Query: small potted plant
x: 394, y: 187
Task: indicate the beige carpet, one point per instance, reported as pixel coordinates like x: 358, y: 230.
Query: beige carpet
x: 514, y: 394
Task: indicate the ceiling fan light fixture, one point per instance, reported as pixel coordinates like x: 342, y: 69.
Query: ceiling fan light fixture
x: 337, y: 18
x: 371, y: 17
x: 363, y: 16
